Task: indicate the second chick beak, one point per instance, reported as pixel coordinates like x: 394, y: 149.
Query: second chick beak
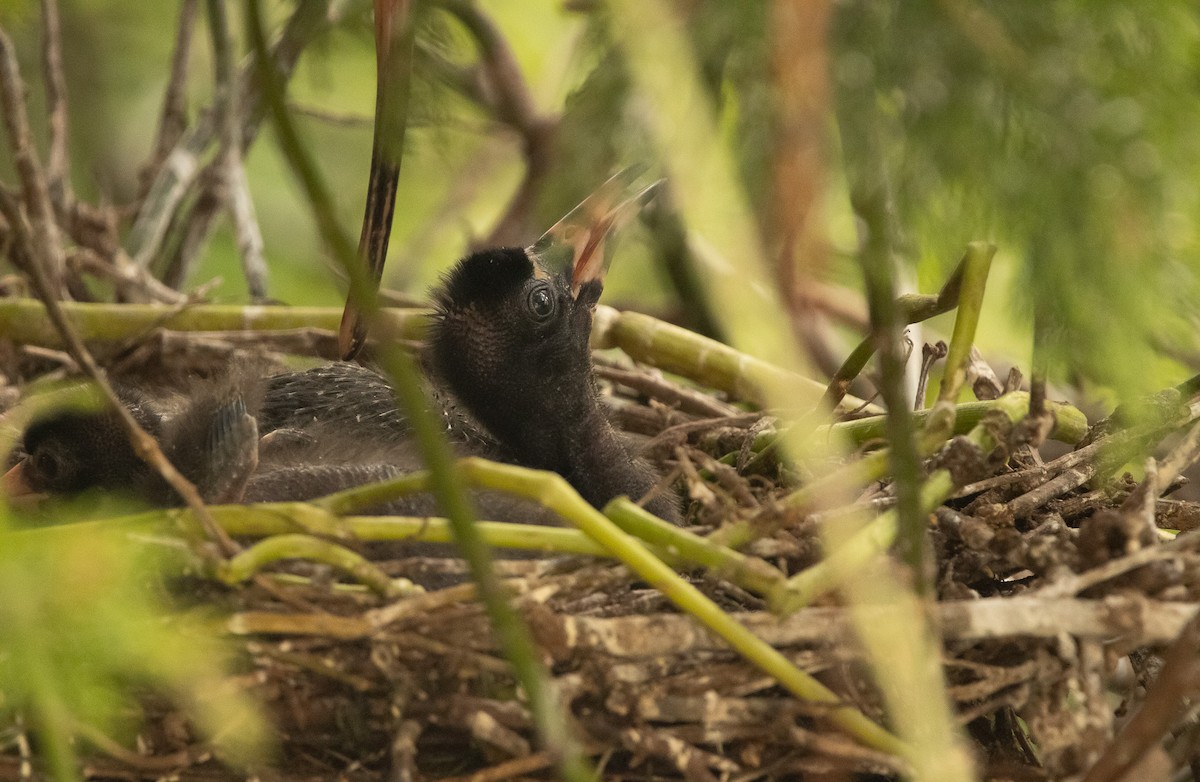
x: 16, y: 491
x: 14, y: 483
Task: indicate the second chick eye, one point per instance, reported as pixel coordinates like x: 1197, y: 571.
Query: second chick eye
x: 47, y: 465
x: 540, y: 302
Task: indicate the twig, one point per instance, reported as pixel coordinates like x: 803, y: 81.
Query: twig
x: 930, y: 354
x: 231, y: 171
x: 181, y: 168
x: 517, y: 767
x: 1118, y: 449
x: 58, y: 166
x: 1073, y: 585
x: 1180, y: 458
x: 151, y: 764
x: 667, y: 392
x: 1178, y: 682
x: 218, y: 346
x: 131, y: 282
x: 172, y: 119
x: 43, y: 248
x: 508, y: 96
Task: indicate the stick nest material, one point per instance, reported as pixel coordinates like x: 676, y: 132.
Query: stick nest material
x: 1058, y: 592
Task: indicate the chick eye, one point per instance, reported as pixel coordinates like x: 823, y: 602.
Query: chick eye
x: 47, y: 465
x: 540, y: 302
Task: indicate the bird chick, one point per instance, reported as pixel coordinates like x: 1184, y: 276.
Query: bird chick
x: 211, y: 440
x: 510, y: 343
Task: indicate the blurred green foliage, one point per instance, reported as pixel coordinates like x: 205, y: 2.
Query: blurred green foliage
x: 91, y: 630
x: 1064, y: 132
x: 1059, y: 131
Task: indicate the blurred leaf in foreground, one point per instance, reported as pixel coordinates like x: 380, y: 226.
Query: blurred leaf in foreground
x: 1059, y: 131
x: 81, y: 621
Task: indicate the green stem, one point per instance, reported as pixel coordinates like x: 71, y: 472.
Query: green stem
x: 553, y: 491
x: 24, y: 320
x: 875, y: 538
x: 1070, y: 425
x: 747, y: 572
x: 976, y: 265
x: 245, y: 564
x: 445, y: 483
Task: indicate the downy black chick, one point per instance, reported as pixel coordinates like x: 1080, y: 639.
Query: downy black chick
x: 211, y: 440
x: 508, y: 367
x: 510, y: 343
x: 509, y: 371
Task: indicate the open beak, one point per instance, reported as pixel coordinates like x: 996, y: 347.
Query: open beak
x: 14, y: 484
x: 576, y: 242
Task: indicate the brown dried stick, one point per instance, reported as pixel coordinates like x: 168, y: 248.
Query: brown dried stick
x: 1177, y: 684
x: 58, y: 166
x: 230, y: 170
x: 44, y: 247
x: 505, y: 93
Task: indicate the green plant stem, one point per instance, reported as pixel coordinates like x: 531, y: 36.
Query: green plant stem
x: 673, y: 544
x: 871, y: 197
x: 747, y: 572
x: 553, y: 491
x: 903, y: 651
x: 912, y: 308
x: 247, y: 563
x: 445, y: 482
x: 285, y: 518
x: 358, y: 498
x: 1070, y: 424
x: 876, y: 537
x: 674, y: 349
x: 976, y: 264
x: 24, y: 320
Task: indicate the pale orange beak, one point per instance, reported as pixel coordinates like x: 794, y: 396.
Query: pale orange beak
x: 13, y: 482
x: 576, y: 242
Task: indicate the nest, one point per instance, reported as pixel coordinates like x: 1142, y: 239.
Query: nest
x: 1063, y: 611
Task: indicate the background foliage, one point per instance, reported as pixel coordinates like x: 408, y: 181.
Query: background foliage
x: 1062, y: 132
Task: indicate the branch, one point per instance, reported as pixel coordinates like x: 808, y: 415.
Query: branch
x: 504, y: 92
x: 229, y: 159
x: 172, y: 120
x: 43, y: 248
x: 182, y: 167
x: 59, y: 165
